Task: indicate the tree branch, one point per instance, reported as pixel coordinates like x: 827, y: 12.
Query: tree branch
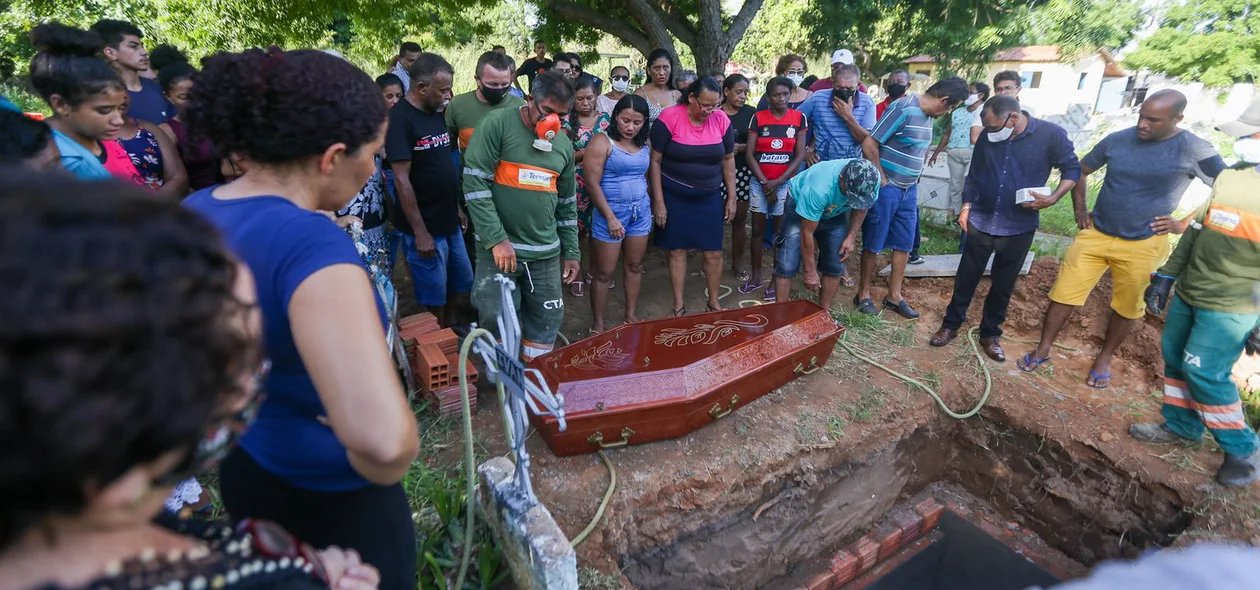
x: 676, y: 22
x: 632, y: 36
x: 739, y: 26
x: 653, y: 22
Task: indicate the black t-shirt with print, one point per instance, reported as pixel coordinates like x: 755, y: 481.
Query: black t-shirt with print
x: 532, y: 67
x: 424, y: 139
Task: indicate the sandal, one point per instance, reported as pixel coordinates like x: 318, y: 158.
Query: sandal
x: 711, y: 308
x: 743, y: 275
x: 682, y: 311
x: 848, y: 281
x: 1095, y: 378
x: 1028, y: 364
x: 575, y: 289
x: 749, y: 287
x: 771, y: 294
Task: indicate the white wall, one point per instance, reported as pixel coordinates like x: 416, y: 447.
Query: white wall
x: 1058, y: 86
x: 1207, y: 105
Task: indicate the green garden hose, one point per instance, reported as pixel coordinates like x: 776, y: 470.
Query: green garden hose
x: 988, y: 379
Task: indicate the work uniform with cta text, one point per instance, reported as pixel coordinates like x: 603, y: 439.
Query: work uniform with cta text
x: 1217, y: 266
x: 519, y: 193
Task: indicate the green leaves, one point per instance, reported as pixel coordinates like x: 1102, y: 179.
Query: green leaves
x: 1209, y: 41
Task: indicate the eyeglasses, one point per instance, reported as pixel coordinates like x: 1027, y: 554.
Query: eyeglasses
x: 708, y: 108
x: 798, y: 72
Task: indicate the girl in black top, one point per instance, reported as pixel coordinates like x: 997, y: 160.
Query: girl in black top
x: 735, y: 105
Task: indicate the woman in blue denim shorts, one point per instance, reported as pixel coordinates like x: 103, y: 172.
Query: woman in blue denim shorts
x: 614, y: 167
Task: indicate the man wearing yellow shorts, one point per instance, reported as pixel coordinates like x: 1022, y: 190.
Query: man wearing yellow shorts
x: 1149, y: 168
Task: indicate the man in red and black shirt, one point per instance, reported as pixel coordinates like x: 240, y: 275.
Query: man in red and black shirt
x: 896, y: 85
x: 777, y: 135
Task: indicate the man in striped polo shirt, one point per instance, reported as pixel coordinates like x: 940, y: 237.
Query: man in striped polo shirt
x: 898, y: 146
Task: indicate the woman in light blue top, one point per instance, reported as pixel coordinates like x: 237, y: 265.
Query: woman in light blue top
x: 85, y: 94
x: 614, y: 166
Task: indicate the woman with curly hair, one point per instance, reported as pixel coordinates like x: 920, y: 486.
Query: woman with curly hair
x: 335, y: 435
x: 792, y: 67
x: 129, y: 360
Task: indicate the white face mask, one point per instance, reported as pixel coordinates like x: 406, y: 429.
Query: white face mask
x: 973, y: 99
x: 620, y: 85
x: 1248, y: 150
x: 1002, y: 135
x: 796, y: 79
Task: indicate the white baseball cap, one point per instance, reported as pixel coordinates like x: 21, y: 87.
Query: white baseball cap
x: 842, y: 56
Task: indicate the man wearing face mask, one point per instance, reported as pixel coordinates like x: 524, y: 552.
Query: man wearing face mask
x: 897, y: 84
x: 1149, y: 167
x: 840, y: 118
x: 1214, y: 315
x: 1015, y: 152
x: 494, y: 81
x: 418, y: 147
x: 520, y: 189
x: 962, y: 130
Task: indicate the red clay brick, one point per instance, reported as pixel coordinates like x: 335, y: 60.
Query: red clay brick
x: 415, y: 325
x: 911, y: 524
x: 473, y: 374
x: 823, y: 581
x: 432, y: 369
x: 446, y: 402
x: 844, y: 566
x: 867, y: 551
x: 931, y: 513
x: 960, y: 510
x: 889, y: 536
x: 445, y: 339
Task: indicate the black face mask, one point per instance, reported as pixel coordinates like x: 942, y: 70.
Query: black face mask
x: 494, y: 95
x: 846, y: 94
x: 895, y: 90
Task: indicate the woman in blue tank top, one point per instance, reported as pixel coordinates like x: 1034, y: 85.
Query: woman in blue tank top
x: 615, y: 165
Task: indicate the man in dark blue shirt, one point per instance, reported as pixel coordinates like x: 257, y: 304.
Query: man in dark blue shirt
x: 1015, y: 152
x: 124, y: 50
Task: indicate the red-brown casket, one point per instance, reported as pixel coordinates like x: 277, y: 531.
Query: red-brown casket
x: 662, y: 379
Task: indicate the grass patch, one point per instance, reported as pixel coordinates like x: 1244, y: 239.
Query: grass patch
x: 937, y: 238
x: 591, y: 579
x: 871, y: 400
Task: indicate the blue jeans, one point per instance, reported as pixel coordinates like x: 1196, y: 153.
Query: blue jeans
x: 828, y: 237
x: 449, y: 272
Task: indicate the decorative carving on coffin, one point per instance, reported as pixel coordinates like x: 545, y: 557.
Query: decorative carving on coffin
x: 604, y: 357
x: 702, y: 334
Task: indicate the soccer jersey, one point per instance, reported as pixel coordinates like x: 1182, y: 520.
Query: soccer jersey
x: 776, y: 139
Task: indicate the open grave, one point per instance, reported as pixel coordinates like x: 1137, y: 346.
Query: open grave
x: 777, y: 493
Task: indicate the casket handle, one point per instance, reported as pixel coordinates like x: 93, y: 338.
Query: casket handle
x: 813, y: 366
x: 717, y: 412
x: 597, y: 439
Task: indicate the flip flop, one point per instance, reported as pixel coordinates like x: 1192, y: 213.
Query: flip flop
x: 575, y: 289
x: 1028, y: 364
x: 1094, y: 378
x: 743, y: 275
x: 749, y: 287
x: 682, y: 311
x: 848, y: 281
x: 771, y: 294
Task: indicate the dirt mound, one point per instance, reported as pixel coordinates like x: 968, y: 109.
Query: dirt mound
x: 1028, y: 305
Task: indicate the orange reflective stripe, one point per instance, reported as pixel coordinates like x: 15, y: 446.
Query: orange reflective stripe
x: 465, y: 136
x: 1179, y: 384
x: 526, y: 177
x: 1179, y: 402
x: 1233, y: 222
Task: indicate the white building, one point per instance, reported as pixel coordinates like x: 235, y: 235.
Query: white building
x: 1052, y: 82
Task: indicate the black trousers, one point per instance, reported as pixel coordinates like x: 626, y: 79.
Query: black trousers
x: 375, y: 521
x: 1008, y: 257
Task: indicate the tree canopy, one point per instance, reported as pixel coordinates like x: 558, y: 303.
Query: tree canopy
x: 1216, y: 42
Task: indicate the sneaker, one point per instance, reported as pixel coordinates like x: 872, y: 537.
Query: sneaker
x: 1238, y: 470
x: 915, y: 259
x: 1159, y: 434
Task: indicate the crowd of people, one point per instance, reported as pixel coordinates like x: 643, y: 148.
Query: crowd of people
x: 151, y: 312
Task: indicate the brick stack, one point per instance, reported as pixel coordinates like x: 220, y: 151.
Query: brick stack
x: 433, y: 353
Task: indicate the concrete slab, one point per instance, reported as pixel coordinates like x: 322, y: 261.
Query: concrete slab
x: 946, y: 265
x: 536, y: 550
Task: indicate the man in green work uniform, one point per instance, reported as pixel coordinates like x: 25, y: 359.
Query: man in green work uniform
x: 1214, y: 315
x: 520, y: 190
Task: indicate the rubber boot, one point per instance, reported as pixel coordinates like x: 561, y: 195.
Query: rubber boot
x: 1239, y: 471
x: 1159, y: 434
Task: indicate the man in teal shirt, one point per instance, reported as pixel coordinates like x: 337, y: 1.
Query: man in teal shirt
x: 816, y: 224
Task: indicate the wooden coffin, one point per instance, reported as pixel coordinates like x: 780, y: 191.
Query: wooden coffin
x: 663, y: 379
